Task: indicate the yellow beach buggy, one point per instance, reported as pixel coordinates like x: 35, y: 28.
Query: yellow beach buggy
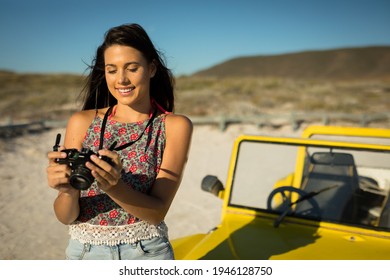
x: 324, y: 195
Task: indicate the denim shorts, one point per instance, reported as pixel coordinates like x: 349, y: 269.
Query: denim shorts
x: 158, y: 248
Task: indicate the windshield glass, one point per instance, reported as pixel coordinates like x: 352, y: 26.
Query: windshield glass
x: 345, y: 186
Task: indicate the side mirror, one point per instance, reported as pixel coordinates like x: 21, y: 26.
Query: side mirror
x: 212, y: 185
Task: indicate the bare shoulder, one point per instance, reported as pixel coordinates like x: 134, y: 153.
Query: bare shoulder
x: 178, y: 129
x: 81, y: 119
x: 77, y: 126
x: 176, y: 123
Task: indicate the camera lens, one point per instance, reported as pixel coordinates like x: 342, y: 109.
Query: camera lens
x: 81, y: 178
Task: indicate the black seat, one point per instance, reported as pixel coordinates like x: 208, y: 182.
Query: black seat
x: 335, y: 172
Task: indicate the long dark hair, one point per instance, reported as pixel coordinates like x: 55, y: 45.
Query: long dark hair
x: 95, y: 92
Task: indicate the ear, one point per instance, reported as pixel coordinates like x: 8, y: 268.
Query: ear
x: 153, y: 68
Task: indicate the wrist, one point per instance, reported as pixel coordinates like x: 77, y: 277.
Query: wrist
x: 70, y: 192
x: 112, y: 188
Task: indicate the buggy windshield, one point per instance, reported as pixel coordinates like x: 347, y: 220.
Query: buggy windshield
x: 348, y: 184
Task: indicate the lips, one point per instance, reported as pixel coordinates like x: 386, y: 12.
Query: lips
x: 125, y: 91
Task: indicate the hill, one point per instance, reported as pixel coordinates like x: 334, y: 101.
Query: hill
x: 352, y: 81
x: 38, y: 96
x: 337, y: 64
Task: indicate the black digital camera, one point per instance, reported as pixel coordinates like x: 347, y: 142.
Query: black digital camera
x: 80, y: 177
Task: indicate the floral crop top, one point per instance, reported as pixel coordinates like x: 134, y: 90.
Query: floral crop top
x: 141, y: 163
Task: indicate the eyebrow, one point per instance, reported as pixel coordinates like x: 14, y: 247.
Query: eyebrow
x: 126, y: 64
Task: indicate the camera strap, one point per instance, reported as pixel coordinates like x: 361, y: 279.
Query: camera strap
x: 124, y: 146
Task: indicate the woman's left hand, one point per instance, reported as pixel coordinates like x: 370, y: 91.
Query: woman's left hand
x: 106, y: 174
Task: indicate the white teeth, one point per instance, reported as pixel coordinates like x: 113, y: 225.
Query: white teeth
x: 125, y: 90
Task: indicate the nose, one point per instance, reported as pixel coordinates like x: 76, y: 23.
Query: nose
x: 123, y: 79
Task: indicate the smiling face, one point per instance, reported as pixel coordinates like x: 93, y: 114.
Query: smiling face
x: 128, y: 75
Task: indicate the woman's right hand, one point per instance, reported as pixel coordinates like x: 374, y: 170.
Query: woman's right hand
x: 58, y: 174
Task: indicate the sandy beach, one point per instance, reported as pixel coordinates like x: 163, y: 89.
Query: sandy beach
x: 29, y: 229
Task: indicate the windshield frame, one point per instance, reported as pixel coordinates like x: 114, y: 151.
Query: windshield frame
x: 301, y: 144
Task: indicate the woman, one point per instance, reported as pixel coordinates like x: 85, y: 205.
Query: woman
x: 128, y: 96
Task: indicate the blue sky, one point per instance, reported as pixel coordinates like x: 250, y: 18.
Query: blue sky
x: 61, y: 36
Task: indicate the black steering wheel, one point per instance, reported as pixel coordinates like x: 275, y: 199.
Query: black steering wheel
x: 285, y: 206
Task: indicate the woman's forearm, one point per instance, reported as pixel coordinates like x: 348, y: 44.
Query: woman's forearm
x: 66, y: 207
